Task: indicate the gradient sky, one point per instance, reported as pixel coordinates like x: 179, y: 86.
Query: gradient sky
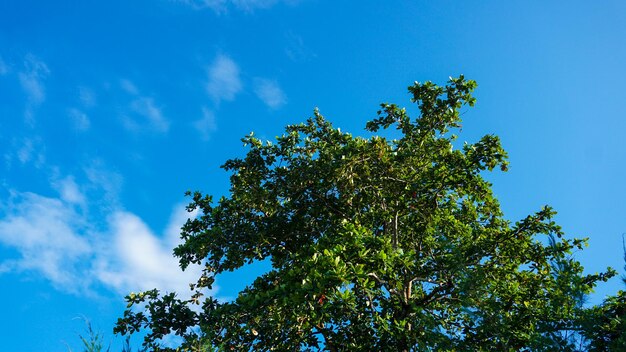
x: 111, y: 110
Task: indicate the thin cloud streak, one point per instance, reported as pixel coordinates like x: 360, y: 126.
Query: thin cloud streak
x: 31, y: 80
x: 129, y: 87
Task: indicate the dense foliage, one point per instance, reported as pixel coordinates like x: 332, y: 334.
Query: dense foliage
x: 604, y: 327
x: 375, y: 244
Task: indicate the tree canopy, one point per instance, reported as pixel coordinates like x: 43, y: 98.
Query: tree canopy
x: 393, y: 241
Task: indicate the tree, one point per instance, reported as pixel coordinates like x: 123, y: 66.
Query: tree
x: 374, y: 243
x: 604, y: 325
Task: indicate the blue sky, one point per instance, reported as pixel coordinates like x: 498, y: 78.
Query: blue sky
x: 110, y: 111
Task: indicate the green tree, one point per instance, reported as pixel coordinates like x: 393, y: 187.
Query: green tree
x: 94, y: 341
x: 374, y: 243
x: 605, y: 328
x: 605, y: 324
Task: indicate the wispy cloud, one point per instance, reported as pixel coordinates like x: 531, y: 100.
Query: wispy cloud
x: 296, y: 50
x: 269, y: 92
x: 69, y: 191
x: 26, y: 152
x: 250, y: 5
x: 80, y: 119
x: 218, y: 6
x: 47, y: 234
x: 129, y: 87
x: 222, y: 6
x: 224, y: 82
x: 143, y: 111
x: 103, y: 186
x: 147, y: 109
x: 31, y: 79
x: 4, y: 68
x: 87, y: 100
x: 206, y: 125
x: 29, y: 150
x: 87, y: 97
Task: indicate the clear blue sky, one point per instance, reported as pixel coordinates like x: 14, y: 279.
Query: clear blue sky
x: 110, y: 110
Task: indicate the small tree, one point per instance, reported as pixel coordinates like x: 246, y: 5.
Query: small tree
x: 93, y: 342
x: 374, y: 243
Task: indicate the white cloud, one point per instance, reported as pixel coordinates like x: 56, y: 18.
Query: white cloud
x: 147, y: 109
x: 80, y: 119
x: 143, y: 111
x: 31, y: 79
x: 206, y: 125
x: 142, y: 260
x: 224, y: 82
x: 69, y: 191
x: 26, y: 151
x: 48, y: 234
x: 56, y: 238
x: 269, y: 92
x: 129, y: 87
